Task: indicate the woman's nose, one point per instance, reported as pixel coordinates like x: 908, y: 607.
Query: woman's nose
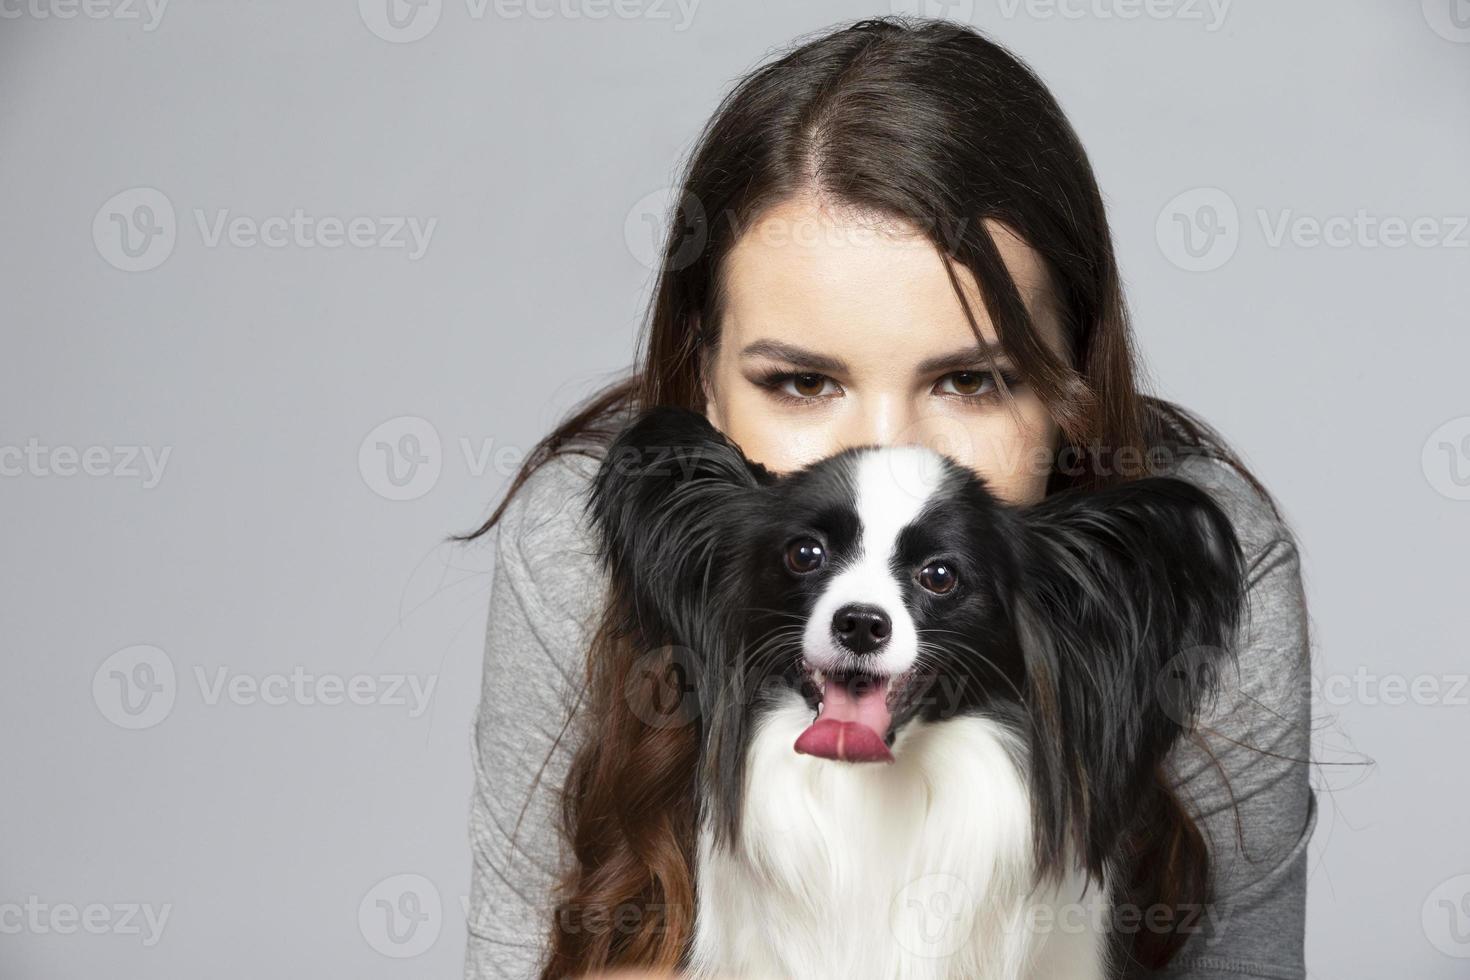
x: 895, y: 423
x: 882, y: 422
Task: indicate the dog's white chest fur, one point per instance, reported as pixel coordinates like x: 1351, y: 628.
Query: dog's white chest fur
x: 917, y: 869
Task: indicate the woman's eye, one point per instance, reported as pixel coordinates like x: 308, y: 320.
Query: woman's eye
x: 804, y: 388
x: 806, y: 385
x: 967, y: 383
x: 805, y: 555
x: 937, y: 577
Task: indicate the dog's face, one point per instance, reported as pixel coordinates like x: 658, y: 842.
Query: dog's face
x: 876, y: 586
x: 888, y: 586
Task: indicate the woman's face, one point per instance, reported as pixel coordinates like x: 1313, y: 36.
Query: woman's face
x: 839, y: 331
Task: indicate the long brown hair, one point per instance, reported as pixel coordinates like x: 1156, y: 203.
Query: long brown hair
x: 931, y: 123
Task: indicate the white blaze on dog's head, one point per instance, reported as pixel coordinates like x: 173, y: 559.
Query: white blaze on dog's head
x: 890, y: 487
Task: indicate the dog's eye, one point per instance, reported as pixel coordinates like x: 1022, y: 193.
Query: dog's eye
x: 937, y: 577
x: 805, y: 555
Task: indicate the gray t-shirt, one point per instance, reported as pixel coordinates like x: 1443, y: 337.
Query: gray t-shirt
x: 546, y: 597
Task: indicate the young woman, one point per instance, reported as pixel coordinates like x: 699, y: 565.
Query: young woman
x: 890, y: 234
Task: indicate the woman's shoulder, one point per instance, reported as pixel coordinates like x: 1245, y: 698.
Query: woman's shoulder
x: 545, y: 543
x: 1267, y: 702
x: 548, y: 507
x: 1257, y: 522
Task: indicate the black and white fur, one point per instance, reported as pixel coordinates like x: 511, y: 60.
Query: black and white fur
x: 1026, y: 701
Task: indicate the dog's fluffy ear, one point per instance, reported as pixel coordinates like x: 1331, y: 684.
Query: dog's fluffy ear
x: 1121, y: 590
x: 663, y: 501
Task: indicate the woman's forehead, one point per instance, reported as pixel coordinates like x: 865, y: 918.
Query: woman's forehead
x: 829, y: 280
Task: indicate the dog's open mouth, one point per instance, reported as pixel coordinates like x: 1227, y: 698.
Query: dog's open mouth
x: 855, y: 712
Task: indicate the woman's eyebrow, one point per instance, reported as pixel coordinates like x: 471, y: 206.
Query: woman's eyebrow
x: 782, y: 351
x: 957, y: 360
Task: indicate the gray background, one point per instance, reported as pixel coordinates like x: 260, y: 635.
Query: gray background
x: 541, y: 146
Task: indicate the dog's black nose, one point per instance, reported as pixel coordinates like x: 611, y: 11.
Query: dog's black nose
x: 862, y: 629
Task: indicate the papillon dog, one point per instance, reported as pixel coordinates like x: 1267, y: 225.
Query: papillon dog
x: 927, y: 719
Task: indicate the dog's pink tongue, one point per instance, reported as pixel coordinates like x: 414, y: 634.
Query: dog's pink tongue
x: 852, y: 724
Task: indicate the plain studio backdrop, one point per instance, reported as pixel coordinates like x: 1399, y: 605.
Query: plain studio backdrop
x: 290, y: 287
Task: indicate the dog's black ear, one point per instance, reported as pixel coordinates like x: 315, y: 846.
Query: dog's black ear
x: 1121, y: 591
x: 664, y: 501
